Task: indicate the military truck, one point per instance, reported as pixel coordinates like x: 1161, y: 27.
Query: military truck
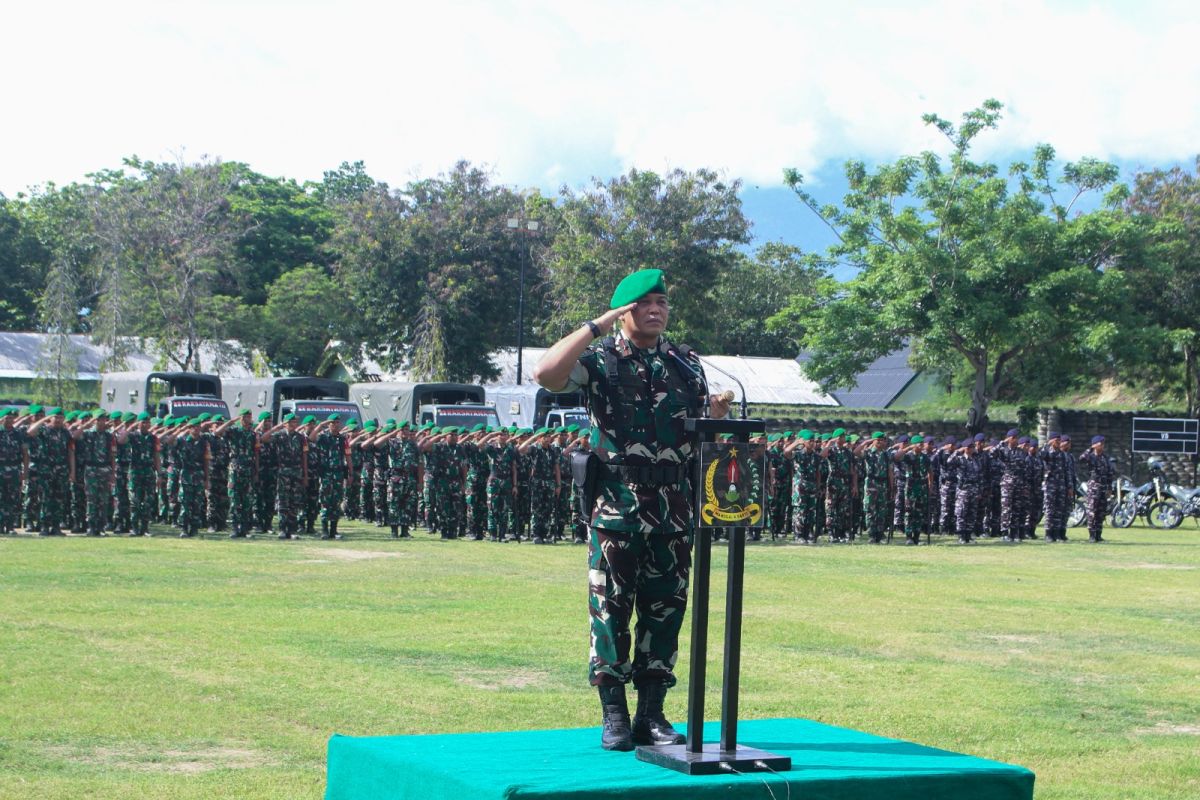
x: 282, y: 396
x: 528, y: 405
x: 462, y: 404
x: 176, y: 394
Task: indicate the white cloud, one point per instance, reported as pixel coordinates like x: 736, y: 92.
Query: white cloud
x: 551, y: 92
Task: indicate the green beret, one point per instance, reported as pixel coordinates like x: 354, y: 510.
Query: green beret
x: 837, y: 432
x: 53, y: 412
x: 477, y: 428
x: 351, y: 425
x: 201, y: 417
x: 245, y: 412
x: 773, y: 437
x: 155, y: 420
x: 183, y: 421
x: 142, y: 416
x: 916, y: 440
x: 825, y: 437
x: 98, y: 413
x: 877, y: 435
x: 33, y: 408
x: 288, y: 417
x: 392, y: 421
x: 333, y: 417
x: 572, y: 428
x: 5, y: 412
x: 263, y: 415
x: 129, y: 416
x: 371, y: 425
x: 70, y: 415
x: 435, y: 430
x: 217, y: 418
x: 114, y: 415
x: 637, y: 285
x: 309, y: 419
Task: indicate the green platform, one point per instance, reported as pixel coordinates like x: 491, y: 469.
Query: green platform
x: 828, y: 763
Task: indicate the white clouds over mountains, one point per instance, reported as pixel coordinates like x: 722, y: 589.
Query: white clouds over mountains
x: 553, y: 92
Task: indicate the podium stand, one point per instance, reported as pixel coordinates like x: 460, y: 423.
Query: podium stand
x: 726, y: 756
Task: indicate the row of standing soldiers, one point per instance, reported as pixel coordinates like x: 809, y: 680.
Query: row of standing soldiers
x: 838, y: 485
x: 97, y: 471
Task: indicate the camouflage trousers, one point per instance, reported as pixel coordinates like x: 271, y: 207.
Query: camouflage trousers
x: 499, y: 507
x: 379, y: 498
x: 1054, y: 505
x: 120, y: 499
x: 52, y: 492
x: 402, y: 500
x: 218, y: 498
x: 780, y: 511
x: 804, y: 515
x: 543, y: 502
x: 448, y: 506
x: 192, y: 515
x: 991, y: 510
x: 916, y: 510
x: 172, y: 510
x: 76, y: 515
x: 289, y: 495
x: 366, y: 493
x: 1014, y: 500
x: 97, y: 488
x: 947, y: 493
x: 427, y: 511
x: 1096, y: 503
x: 331, y: 494
x: 31, y: 498
x: 265, y: 498
x: 476, y: 501
x: 643, y: 571
x: 898, y: 505
x: 563, y: 506
x: 966, y: 510
x: 142, y: 486
x: 350, y: 505
x: 311, y: 507
x: 837, y: 510
x: 10, y: 497
x: 243, y: 498
x: 875, y: 509
x: 935, y: 509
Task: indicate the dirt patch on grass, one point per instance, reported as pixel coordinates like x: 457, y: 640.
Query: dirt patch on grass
x: 1149, y: 565
x: 496, y: 679
x: 1171, y: 729
x: 334, y: 554
x: 183, y: 761
x: 1013, y: 637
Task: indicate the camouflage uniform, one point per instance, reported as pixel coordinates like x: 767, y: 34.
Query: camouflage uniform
x: 329, y: 457
x: 142, y: 480
x: 1099, y: 483
x: 448, y: 489
x: 76, y: 510
x: 1055, y: 491
x: 403, y: 460
x: 120, y: 491
x: 353, y: 502
x: 877, y: 465
x: 968, y: 471
x: 379, y: 485
x: 499, y: 489
x: 218, y: 481
x: 290, y: 447
x: 12, y: 458
x: 366, y: 487
x: 563, y: 504
x: 781, y: 500
x: 916, y: 494
x: 1009, y: 462
x: 93, y: 457
x: 946, y: 489
x: 840, y: 463
x: 806, y: 494
x: 518, y: 515
x: 476, y: 490
x: 170, y: 506
x: 189, y: 465
x: 542, y: 485
x: 639, y: 551
x: 268, y: 478
x: 31, y: 506
x: 52, y: 477
x: 242, y: 478
x: 898, y: 499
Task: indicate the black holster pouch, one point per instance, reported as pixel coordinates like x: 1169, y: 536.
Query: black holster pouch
x: 585, y: 469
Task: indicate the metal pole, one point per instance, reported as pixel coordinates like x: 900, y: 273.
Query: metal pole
x: 696, y: 673
x: 521, y: 319
x: 733, y: 640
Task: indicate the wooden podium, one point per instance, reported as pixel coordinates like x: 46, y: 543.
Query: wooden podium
x: 727, y: 756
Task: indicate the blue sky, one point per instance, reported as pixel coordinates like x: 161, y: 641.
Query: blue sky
x: 553, y: 93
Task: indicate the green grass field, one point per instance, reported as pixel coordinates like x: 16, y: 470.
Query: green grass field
x: 161, y: 668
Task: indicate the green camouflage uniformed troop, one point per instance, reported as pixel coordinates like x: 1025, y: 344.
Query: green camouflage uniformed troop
x: 191, y: 450
x: 404, y: 460
x: 268, y: 474
x: 543, y: 482
x: 121, y: 519
x: 916, y: 491
x: 142, y: 480
x: 12, y: 458
x: 806, y: 484
x: 328, y: 457
x: 448, y: 510
x: 640, y: 537
x: 241, y: 443
x: 838, y: 490
x: 476, y: 490
x: 218, y: 484
x: 94, y: 455
x: 501, y: 459
x: 877, y: 504
x: 52, y: 478
x: 289, y: 446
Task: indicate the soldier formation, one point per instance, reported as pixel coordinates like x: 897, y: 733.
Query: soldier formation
x: 97, y: 472
x: 840, y: 485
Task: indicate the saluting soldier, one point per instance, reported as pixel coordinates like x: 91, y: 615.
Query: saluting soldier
x: 13, y: 441
x: 917, y: 487
x: 241, y: 444
x: 878, y: 484
x: 544, y: 477
x: 191, y: 457
x: 1100, y: 478
x: 54, y: 457
x: 327, y: 454
x: 31, y: 505
x: 268, y: 474
x: 291, y: 450
x: 141, y: 446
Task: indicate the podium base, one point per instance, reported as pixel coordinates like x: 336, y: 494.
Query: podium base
x: 713, y: 759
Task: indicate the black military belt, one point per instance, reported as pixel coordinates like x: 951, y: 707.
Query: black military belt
x: 649, y: 476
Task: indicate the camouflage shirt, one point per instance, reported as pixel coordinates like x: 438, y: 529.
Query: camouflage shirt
x: 289, y: 449
x: 328, y: 455
x: 141, y: 451
x: 94, y: 448
x: 240, y: 442
x: 11, y: 442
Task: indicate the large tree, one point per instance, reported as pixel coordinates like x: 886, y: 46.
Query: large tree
x: 965, y: 263
x: 23, y: 263
x: 1165, y: 278
x: 686, y: 223
x: 433, y: 271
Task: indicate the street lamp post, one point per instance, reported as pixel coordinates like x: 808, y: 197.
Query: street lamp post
x: 527, y: 227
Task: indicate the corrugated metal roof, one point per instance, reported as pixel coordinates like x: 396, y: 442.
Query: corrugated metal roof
x: 880, y: 383
x: 20, y: 353
x: 777, y: 381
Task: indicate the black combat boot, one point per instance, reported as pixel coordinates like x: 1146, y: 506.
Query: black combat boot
x: 616, y: 734
x: 404, y: 532
x: 650, y: 726
x: 395, y: 531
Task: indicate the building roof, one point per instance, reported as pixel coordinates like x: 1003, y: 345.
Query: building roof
x: 880, y: 383
x: 776, y: 381
x: 20, y: 353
